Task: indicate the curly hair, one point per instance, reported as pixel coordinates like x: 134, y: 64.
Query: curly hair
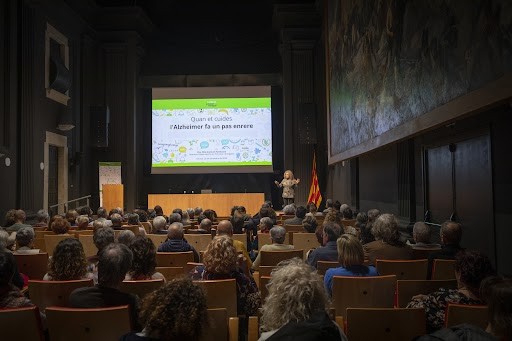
x: 499, y: 300
x: 144, y: 258
x: 385, y: 228
x: 175, y: 311
x: 68, y: 261
x: 220, y: 256
x: 60, y: 226
x: 473, y: 267
x: 295, y: 292
x: 332, y: 217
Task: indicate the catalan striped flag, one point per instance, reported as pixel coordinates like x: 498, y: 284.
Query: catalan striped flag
x: 314, y: 191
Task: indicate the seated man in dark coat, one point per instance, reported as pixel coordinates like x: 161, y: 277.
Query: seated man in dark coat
x: 176, y: 243
x: 114, y: 262
x: 328, y: 252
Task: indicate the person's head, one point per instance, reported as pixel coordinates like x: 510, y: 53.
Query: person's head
x: 328, y: 203
x: 144, y: 258
x: 98, y: 224
x: 300, y: 212
x: 68, y: 261
x: 197, y: 211
x: 60, y: 226
x: 82, y: 222
x: 159, y: 223
x: 71, y: 216
x: 185, y: 217
x: 175, y: 218
x: 309, y: 223
x: 332, y: 217
x: 373, y: 214
x: 103, y: 237
x: 116, y: 219
x: 191, y: 214
x: 288, y: 174
x: 351, y: 230
x: 7, y: 269
x: 332, y: 232
x: 175, y: 311
x: 143, y: 216
x: 20, y: 216
x: 206, y: 224
x: 114, y: 262
x: 347, y: 213
x: 238, y: 223
x: 337, y: 205
x: 133, y: 219
x: 361, y: 219
x: 289, y: 209
x: 278, y: 234
x: 225, y: 228
x: 499, y: 302
x: 178, y: 210
x: 25, y: 236
x: 266, y: 224
x: 295, y: 293
x: 4, y: 240
x: 126, y: 237
x: 451, y: 233
x: 311, y: 207
x: 220, y: 256
x: 101, y: 213
x: 385, y: 228
x: 84, y: 210
x: 42, y: 216
x: 471, y: 268
x: 158, y: 210
x: 210, y: 214
x: 421, y: 232
x: 175, y: 231
x: 10, y: 218
x: 350, y: 251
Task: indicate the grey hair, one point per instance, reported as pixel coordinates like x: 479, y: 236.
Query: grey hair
x: 99, y: 224
x: 116, y: 218
x: 205, y: 224
x: 159, y: 223
x: 82, y: 219
x: 295, y: 293
x: 25, y: 235
x: 278, y: 234
x: 175, y: 218
x: 4, y: 236
x: 175, y: 231
x: 102, y: 237
x: 126, y: 237
x: 289, y: 209
x: 385, y: 228
x: 421, y: 232
x: 114, y: 262
x: 42, y: 215
x: 267, y: 222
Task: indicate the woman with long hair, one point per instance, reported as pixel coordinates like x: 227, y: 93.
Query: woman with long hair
x: 68, y: 262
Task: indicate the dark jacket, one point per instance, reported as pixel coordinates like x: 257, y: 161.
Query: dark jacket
x: 318, y: 327
x: 178, y: 245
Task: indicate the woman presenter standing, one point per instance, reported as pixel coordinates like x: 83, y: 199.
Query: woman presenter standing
x: 288, y: 184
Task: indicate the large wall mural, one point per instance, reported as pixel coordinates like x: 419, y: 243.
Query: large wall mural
x: 390, y: 61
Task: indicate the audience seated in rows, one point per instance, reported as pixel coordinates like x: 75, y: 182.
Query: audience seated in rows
x: 82, y: 222
x: 300, y: 213
x: 175, y: 241
x: 310, y: 224
x: 295, y: 308
x: 102, y: 213
x: 351, y: 258
x: 60, y: 226
x: 17, y: 279
x: 226, y: 229
x: 126, y: 237
x: 68, y: 262
x: 19, y: 221
x: 451, y: 235
x: 144, y: 260
x: 328, y: 206
x: 175, y: 311
x: 277, y: 235
x: 101, y: 238
x: 329, y: 251
x: 221, y: 262
x: 421, y: 234
x: 366, y: 233
x: 42, y: 219
x: 387, y: 244
x: 25, y: 241
x: 471, y: 268
x: 10, y: 293
x: 114, y: 261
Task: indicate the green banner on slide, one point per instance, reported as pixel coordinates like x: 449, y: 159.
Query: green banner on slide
x: 210, y: 103
x: 213, y: 164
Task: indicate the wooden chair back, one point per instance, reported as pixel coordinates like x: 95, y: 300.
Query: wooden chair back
x: 443, y: 269
x: 348, y: 222
x: 423, y: 253
x: 274, y: 257
x: 323, y: 265
x: 134, y: 228
x: 40, y: 234
x: 476, y: 315
x: 21, y: 324
x: 157, y: 239
x: 220, y: 326
x: 403, y: 269
x: 51, y: 241
x: 171, y: 272
x: 264, y: 239
x: 385, y: 324
x: 174, y: 259
x: 79, y: 233
x: 294, y: 228
x: 265, y: 270
x: 34, y: 266
x: 263, y: 287
x: 305, y: 241
x: 54, y: 293
x: 283, y: 217
x: 406, y: 289
x: 362, y: 292
x: 88, y: 244
x: 80, y: 324
x: 147, y: 226
x: 241, y: 237
x: 214, y: 299
x: 199, y: 241
x: 141, y: 288
x: 40, y: 244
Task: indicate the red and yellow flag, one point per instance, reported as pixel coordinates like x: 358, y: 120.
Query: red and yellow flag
x: 314, y: 191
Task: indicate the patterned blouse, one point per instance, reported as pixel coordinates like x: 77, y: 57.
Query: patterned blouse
x: 247, y: 295
x: 435, y: 305
x: 12, y: 297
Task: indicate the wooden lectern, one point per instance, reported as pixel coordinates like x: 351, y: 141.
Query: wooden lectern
x: 113, y: 196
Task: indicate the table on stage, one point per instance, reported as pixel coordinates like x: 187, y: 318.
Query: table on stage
x: 220, y: 202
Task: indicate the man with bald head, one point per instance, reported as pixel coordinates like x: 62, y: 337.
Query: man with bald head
x: 225, y: 228
x: 175, y: 241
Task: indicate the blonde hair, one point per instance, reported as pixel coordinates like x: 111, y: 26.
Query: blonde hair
x: 291, y: 174
x: 220, y: 256
x: 295, y: 293
x: 350, y: 251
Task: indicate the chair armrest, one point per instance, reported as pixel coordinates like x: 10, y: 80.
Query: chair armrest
x: 253, y: 333
x: 233, y: 328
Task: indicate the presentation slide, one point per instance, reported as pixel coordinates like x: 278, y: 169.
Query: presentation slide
x: 211, y: 130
